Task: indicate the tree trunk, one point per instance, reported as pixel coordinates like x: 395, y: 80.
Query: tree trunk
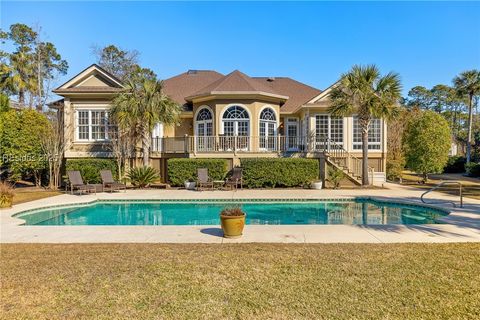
x: 469, y: 135
x: 365, y: 156
x: 21, y: 97
x: 146, y: 147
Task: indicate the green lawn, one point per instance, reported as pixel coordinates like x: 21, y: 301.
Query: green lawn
x: 248, y: 281
x: 471, y: 186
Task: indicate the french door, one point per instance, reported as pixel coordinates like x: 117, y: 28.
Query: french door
x: 236, y: 131
x: 267, y: 135
x: 204, y: 135
x: 292, y: 135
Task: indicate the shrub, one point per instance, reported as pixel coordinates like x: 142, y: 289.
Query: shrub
x: 181, y: 170
x: 6, y: 194
x: 279, y: 172
x: 473, y: 169
x: 455, y: 164
x: 90, y: 168
x: 335, y: 176
x: 427, y: 142
x: 142, y: 176
x: 395, y: 169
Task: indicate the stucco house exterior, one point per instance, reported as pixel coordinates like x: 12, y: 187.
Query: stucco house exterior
x: 229, y: 116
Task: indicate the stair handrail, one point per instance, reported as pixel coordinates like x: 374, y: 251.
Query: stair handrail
x: 440, y: 185
x: 343, y: 151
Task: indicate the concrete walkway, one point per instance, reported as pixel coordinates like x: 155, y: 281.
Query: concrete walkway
x: 462, y: 225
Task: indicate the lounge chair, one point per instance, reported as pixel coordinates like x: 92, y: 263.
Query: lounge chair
x: 203, y: 180
x: 109, y: 183
x: 76, y: 183
x: 236, y: 179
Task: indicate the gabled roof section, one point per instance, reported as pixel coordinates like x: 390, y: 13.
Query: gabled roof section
x: 93, y: 79
x: 298, y: 93
x: 237, y: 82
x: 324, y: 95
x: 187, y: 83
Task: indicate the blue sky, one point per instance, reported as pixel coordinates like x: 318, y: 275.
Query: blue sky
x: 314, y: 42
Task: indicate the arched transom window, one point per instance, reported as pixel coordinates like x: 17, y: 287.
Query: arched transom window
x: 235, y: 112
x: 204, y: 114
x: 236, y: 121
x: 267, y: 114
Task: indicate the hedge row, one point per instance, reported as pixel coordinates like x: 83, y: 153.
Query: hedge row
x: 181, y: 170
x: 90, y: 168
x: 279, y: 172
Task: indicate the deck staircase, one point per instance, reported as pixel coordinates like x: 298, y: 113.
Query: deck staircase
x: 340, y: 158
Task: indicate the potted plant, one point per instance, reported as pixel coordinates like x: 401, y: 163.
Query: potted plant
x: 190, y: 184
x: 232, y: 221
x: 316, y: 184
x: 6, y: 195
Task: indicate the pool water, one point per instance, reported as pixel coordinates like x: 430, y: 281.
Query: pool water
x: 352, y: 212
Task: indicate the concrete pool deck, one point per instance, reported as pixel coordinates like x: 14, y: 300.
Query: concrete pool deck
x: 462, y: 225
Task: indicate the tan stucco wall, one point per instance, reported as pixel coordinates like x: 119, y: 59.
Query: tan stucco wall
x: 93, y: 82
x: 254, y: 107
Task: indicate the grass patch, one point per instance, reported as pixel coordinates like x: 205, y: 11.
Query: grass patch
x: 247, y: 281
x: 470, y: 186
x: 22, y: 196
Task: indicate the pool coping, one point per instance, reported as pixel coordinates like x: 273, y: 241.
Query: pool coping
x: 460, y: 225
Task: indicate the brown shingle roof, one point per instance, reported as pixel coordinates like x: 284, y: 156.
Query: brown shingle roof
x: 236, y: 81
x: 200, y: 82
x: 298, y: 93
x: 187, y: 83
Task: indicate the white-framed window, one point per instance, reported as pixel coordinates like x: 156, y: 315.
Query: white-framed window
x: 268, y: 129
x: 327, y: 126
x: 236, y: 121
x: 204, y: 123
x: 92, y: 125
x: 374, y: 134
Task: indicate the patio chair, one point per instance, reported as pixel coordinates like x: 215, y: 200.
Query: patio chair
x: 109, y: 183
x: 236, y: 179
x: 76, y: 183
x: 203, y: 180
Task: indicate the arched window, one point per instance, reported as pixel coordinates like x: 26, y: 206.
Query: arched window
x: 268, y: 129
x: 235, y: 112
x: 204, y: 114
x: 267, y: 114
x: 204, y: 122
x: 236, y: 121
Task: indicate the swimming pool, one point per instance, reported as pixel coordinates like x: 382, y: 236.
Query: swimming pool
x: 260, y: 212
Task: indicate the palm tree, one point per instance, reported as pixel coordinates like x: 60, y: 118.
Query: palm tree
x: 468, y: 84
x: 364, y: 92
x: 140, y: 107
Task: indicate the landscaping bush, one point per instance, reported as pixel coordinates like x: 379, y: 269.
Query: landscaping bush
x: 6, y: 194
x: 473, y: 169
x: 142, y: 177
x: 395, y: 169
x: 455, y: 164
x: 181, y: 170
x: 335, y: 176
x: 90, y: 168
x: 282, y: 172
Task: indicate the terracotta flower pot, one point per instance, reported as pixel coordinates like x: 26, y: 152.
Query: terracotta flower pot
x: 232, y: 226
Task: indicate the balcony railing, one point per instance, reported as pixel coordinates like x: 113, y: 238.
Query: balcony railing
x: 278, y: 144
x: 239, y: 144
